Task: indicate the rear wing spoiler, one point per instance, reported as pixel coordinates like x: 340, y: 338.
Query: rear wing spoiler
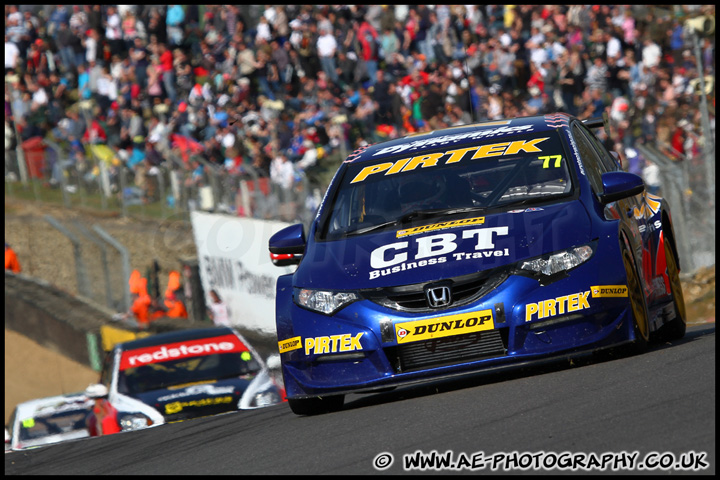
x: 598, y: 122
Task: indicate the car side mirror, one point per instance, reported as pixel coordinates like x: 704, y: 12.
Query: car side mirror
x: 619, y: 185
x: 287, y: 246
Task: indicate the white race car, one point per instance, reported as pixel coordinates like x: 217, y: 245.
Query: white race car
x: 44, y: 421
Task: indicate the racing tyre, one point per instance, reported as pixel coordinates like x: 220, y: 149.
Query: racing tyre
x: 675, y: 329
x: 641, y: 324
x: 316, y: 405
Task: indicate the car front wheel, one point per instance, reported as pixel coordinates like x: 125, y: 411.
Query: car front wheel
x: 675, y: 329
x: 641, y: 325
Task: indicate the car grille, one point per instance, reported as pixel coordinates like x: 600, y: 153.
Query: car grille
x: 412, y: 298
x: 448, y: 350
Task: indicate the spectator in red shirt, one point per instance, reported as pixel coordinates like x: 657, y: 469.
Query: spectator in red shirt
x: 367, y: 37
x: 168, y: 71
x: 95, y: 133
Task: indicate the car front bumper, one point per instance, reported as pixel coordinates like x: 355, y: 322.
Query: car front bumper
x: 367, y: 346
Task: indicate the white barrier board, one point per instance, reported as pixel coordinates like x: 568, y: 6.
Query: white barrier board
x: 234, y: 260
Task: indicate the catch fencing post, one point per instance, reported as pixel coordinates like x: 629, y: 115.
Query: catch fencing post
x: 80, y: 270
x: 63, y: 180
x: 103, y: 257
x: 125, y: 262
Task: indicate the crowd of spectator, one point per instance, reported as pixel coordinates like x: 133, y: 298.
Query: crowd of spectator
x: 284, y: 88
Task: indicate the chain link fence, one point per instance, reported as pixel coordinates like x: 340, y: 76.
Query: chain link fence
x: 43, y: 170
x: 690, y: 193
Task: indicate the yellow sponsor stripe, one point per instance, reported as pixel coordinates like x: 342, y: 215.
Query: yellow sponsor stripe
x: 440, y: 226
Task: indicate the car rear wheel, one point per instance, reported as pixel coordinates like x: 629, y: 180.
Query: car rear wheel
x: 641, y: 325
x: 675, y: 329
x: 316, y: 405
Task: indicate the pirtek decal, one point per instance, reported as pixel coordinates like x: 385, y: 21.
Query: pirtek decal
x: 557, y: 306
x: 609, y: 291
x: 290, y: 344
x: 440, y: 226
x: 333, y: 344
x: 449, y: 156
x: 447, y: 326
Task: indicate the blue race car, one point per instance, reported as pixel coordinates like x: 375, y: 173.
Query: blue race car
x: 467, y: 248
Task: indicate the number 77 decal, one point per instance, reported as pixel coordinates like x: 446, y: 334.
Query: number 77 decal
x: 547, y: 159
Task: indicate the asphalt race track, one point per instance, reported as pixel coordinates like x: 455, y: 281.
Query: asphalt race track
x: 662, y: 401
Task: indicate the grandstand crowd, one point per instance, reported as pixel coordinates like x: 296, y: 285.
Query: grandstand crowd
x: 283, y: 87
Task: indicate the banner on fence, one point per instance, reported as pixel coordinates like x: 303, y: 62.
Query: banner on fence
x: 234, y: 260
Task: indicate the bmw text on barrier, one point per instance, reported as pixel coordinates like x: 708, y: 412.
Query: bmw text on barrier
x: 477, y: 246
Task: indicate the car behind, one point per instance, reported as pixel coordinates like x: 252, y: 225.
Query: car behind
x: 186, y: 374
x: 49, y: 420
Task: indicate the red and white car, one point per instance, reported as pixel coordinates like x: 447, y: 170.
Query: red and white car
x: 186, y: 374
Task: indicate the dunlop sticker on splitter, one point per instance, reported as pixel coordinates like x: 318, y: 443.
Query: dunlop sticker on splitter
x: 447, y: 326
x: 440, y: 226
x: 289, y: 344
x: 609, y: 291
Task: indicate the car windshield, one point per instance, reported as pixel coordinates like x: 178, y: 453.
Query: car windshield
x: 492, y: 174
x: 173, y: 373
x: 65, y: 422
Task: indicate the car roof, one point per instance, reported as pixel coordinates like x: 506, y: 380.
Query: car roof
x: 29, y: 408
x: 176, y: 336
x: 458, y: 136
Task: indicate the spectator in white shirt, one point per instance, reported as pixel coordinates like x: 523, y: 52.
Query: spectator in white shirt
x: 39, y: 97
x: 218, y: 311
x: 613, y: 46
x: 282, y: 172
x: 113, y: 31
x: 327, y: 46
x: 12, y: 53
x: 263, y: 30
x: 651, y: 53
x: 91, y: 46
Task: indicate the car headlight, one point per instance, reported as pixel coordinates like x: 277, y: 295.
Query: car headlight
x: 134, y: 421
x: 559, y: 261
x: 264, y: 399
x: 323, y: 301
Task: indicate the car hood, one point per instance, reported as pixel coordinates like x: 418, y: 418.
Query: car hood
x: 442, y: 248
x: 196, y: 400
x: 50, y: 439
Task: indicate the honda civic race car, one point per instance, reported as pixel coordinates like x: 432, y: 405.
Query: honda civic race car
x: 186, y: 374
x: 45, y: 421
x: 467, y: 248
